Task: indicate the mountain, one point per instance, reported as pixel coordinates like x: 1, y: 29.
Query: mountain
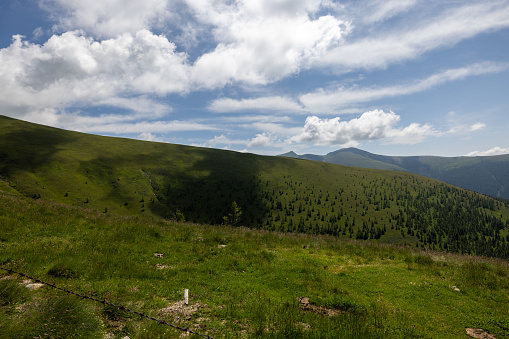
x: 487, y: 175
x: 122, y: 177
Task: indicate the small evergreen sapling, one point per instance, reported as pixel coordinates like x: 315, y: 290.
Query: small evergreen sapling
x: 234, y: 216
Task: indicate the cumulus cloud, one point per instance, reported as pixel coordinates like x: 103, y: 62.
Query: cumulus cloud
x: 262, y: 41
x: 370, y: 125
x: 262, y: 140
x: 105, y: 54
x: 494, y: 151
x: 74, y: 70
x: 107, y: 18
x: 258, y: 42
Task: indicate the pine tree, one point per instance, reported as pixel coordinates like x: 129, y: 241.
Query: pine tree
x: 234, y: 216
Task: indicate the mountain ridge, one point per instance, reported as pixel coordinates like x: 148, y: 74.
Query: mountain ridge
x: 129, y: 177
x: 487, y: 174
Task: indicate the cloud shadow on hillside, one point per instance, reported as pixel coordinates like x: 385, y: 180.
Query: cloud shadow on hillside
x: 29, y: 148
x: 200, y: 183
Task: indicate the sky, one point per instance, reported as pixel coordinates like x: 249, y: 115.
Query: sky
x: 392, y: 77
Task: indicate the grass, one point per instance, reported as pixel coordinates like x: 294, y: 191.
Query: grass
x: 156, y: 180
x: 249, y: 280
x: 99, y: 223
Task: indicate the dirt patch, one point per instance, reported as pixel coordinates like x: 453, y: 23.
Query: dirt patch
x: 479, y: 333
x: 307, y: 306
x: 181, y: 311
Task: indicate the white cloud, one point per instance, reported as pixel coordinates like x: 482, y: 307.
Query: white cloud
x: 381, y: 10
x: 223, y: 140
x: 145, y: 126
x: 408, y: 42
x: 219, y: 139
x: 262, y: 41
x: 370, y: 125
x: 329, y: 101
x: 72, y: 70
x: 262, y: 140
x: 255, y: 118
x: 107, y: 18
x: 494, y: 151
x: 37, y: 33
x: 259, y: 42
x: 273, y: 128
x: 275, y: 103
x: 111, y: 58
x: 147, y: 136
x: 477, y: 126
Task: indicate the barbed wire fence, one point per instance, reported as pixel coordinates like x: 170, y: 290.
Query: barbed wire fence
x: 120, y: 307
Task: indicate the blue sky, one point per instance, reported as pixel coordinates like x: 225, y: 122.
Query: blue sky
x: 393, y: 77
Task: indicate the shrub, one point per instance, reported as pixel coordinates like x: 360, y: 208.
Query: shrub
x: 62, y: 270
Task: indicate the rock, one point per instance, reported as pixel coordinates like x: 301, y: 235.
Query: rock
x: 34, y: 286
x: 479, y: 333
x: 306, y: 306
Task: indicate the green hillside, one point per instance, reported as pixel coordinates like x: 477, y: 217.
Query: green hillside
x: 130, y: 177
x: 242, y: 283
x: 488, y: 175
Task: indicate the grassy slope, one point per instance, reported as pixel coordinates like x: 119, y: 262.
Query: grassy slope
x: 250, y: 285
x: 131, y: 177
x: 487, y: 175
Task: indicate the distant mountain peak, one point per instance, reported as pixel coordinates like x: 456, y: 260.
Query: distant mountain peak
x: 290, y: 154
x: 350, y: 150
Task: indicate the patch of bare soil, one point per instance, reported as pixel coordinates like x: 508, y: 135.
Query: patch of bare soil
x: 306, y: 306
x: 181, y: 311
x: 479, y: 333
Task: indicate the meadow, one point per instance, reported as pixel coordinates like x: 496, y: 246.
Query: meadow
x: 243, y: 283
x: 173, y: 182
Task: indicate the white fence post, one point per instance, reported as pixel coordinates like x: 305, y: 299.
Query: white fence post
x: 186, y: 296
